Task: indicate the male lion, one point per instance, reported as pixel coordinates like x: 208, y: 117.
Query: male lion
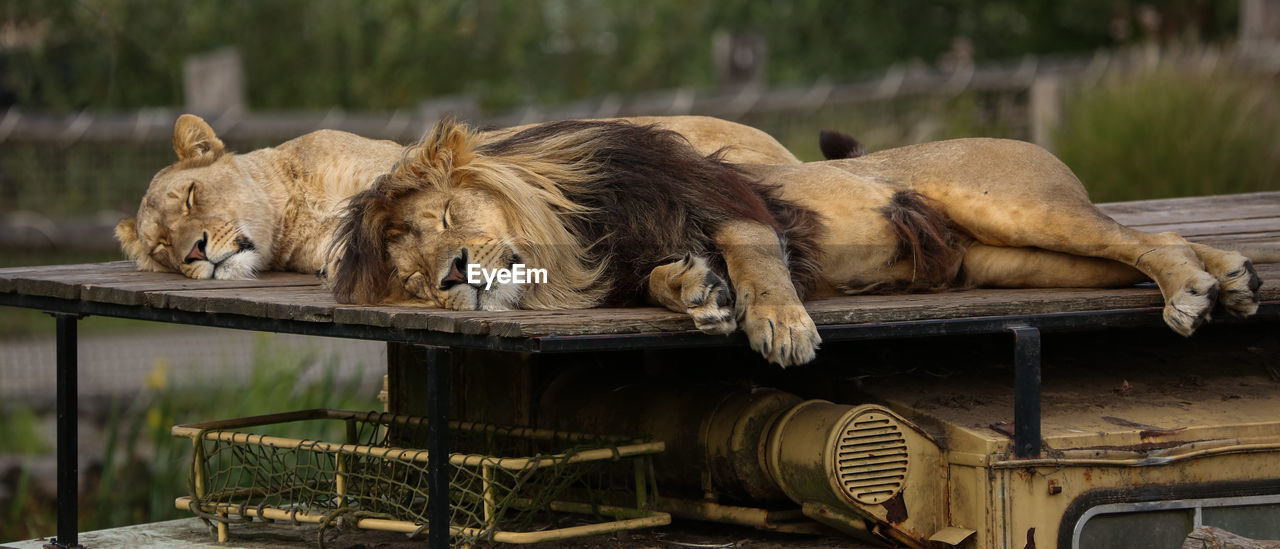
x: 214, y: 214
x: 618, y: 213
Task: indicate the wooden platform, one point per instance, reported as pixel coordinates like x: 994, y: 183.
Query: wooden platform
x: 296, y: 299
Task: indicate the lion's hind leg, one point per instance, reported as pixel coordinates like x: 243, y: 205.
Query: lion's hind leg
x: 690, y: 286
x: 1238, y: 281
x: 1072, y: 225
x: 1006, y: 267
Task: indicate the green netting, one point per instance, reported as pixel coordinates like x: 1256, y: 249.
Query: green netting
x: 501, y: 479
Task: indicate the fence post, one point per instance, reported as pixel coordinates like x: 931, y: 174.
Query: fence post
x: 213, y: 83
x: 1046, y: 109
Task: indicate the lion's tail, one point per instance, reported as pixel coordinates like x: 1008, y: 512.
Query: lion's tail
x: 837, y: 145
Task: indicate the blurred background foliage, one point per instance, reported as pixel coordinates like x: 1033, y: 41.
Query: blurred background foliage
x: 1173, y: 132
x: 136, y: 467
x: 1160, y: 131
x: 66, y: 55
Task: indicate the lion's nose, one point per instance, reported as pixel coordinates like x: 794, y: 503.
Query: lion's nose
x: 197, y: 250
x: 457, y: 272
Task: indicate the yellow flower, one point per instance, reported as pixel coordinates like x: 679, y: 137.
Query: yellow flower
x: 159, y: 376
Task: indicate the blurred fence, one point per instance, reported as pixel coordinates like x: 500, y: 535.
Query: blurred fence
x: 66, y: 179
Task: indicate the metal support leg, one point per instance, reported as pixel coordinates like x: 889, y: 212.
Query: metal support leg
x: 438, y: 360
x: 1026, y: 399
x: 68, y: 437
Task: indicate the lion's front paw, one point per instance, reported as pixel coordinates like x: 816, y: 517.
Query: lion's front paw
x: 1190, y: 305
x: 784, y: 334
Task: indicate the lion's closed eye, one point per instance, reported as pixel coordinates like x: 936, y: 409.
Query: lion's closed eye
x: 190, y: 202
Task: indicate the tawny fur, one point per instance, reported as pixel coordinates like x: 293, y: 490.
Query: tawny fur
x: 282, y: 199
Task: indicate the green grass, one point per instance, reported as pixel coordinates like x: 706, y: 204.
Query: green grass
x: 1173, y: 132
x: 144, y: 467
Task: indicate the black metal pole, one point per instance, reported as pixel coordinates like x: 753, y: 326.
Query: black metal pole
x: 438, y: 506
x: 1026, y: 397
x: 68, y: 437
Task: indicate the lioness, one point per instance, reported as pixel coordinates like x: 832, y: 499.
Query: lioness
x: 214, y: 214
x: 617, y: 212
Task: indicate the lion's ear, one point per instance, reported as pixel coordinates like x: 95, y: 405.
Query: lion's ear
x: 193, y: 138
x: 449, y: 145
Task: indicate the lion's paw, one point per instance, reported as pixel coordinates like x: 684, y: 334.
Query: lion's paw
x: 1189, y: 307
x: 1238, y: 286
x: 784, y: 334
x: 710, y: 304
x: 690, y: 285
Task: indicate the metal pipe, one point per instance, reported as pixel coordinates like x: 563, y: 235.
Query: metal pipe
x: 625, y: 519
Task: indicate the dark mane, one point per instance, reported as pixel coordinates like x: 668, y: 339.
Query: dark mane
x: 926, y: 238
x: 654, y: 198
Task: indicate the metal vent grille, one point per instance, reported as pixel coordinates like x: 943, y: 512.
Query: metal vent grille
x: 871, y: 458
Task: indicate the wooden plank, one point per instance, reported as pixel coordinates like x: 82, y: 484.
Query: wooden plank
x: 120, y: 282
x: 229, y: 301
x: 1191, y: 203
x: 592, y: 321
x: 8, y: 272
x: 136, y: 293
x: 1270, y: 275
x: 1270, y: 240
x: 373, y: 315
x: 52, y: 281
x: 976, y: 303
x: 1141, y: 220
x: 310, y: 304
x: 1267, y: 239
x: 410, y: 317
x: 307, y: 303
x: 1218, y: 227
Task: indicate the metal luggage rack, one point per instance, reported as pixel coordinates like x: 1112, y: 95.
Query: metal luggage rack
x: 507, y: 484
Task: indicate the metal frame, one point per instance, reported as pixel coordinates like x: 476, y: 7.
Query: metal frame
x: 68, y: 432
x: 1026, y: 393
x: 1075, y: 513
x: 1025, y: 328
x: 1073, y: 321
x: 438, y: 361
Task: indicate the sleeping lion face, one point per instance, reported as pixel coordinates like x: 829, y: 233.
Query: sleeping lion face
x: 448, y: 249
x: 452, y: 226
x: 200, y: 216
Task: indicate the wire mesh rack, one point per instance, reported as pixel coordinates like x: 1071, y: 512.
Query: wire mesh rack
x: 507, y: 484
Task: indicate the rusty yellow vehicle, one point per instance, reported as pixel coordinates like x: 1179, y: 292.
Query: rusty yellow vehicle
x: 1140, y: 439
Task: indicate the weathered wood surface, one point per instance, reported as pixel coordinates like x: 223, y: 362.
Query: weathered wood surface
x: 1250, y: 219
